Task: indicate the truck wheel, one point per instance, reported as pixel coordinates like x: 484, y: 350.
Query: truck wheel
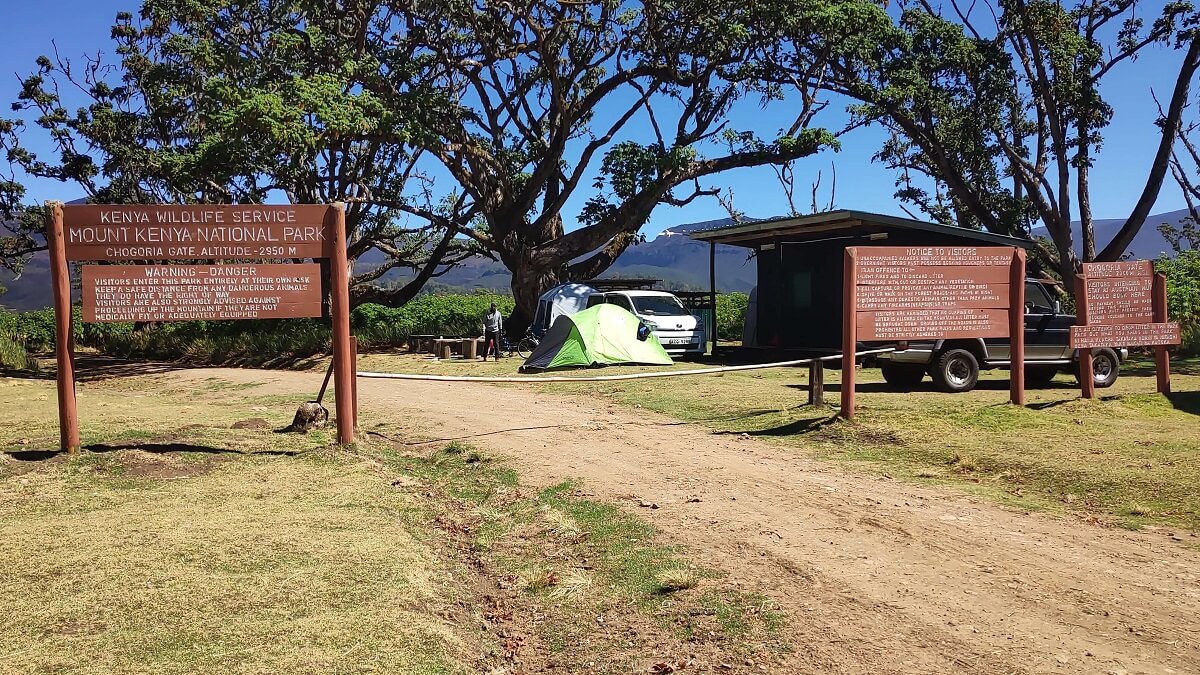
x: 1039, y: 376
x: 1105, y: 368
x: 902, y: 375
x: 955, y: 371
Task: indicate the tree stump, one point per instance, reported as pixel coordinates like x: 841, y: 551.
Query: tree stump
x: 310, y: 415
x: 444, y: 350
x: 469, y: 348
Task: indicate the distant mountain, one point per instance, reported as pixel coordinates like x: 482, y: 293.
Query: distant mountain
x: 672, y: 257
x: 1147, y: 244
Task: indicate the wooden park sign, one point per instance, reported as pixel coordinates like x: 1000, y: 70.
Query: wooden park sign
x: 1122, y: 304
x: 896, y: 294
x: 158, y: 292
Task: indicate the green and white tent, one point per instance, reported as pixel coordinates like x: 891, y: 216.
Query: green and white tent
x: 603, y: 335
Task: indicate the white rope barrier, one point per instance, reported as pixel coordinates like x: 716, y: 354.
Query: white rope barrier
x: 610, y: 378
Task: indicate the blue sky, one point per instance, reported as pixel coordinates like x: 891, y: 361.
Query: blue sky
x: 82, y: 26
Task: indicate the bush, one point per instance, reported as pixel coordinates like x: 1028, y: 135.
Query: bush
x: 1183, y: 296
x: 261, y: 342
x: 13, y: 354
x: 448, y: 314
x: 731, y: 315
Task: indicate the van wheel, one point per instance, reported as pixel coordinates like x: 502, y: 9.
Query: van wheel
x: 1106, y: 367
x: 902, y: 375
x: 955, y: 371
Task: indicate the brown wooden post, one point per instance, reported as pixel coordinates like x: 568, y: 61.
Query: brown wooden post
x: 816, y: 382
x: 354, y: 376
x: 1016, y: 328
x: 339, y: 284
x: 1162, y: 358
x: 1087, y: 380
x: 849, y: 331
x: 60, y: 279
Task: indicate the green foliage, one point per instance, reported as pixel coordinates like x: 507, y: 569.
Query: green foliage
x: 275, y: 342
x: 731, y: 315
x: 379, y: 326
x: 14, y: 355
x: 1183, y: 296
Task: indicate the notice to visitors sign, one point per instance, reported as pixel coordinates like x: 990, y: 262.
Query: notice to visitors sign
x: 914, y: 293
x: 195, y: 232
x: 195, y: 292
x: 902, y: 293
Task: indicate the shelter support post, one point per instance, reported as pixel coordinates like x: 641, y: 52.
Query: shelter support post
x: 816, y: 382
x: 849, y: 331
x: 343, y: 360
x: 1162, y: 358
x: 68, y: 415
x: 712, y: 289
x: 1087, y: 383
x: 1016, y: 328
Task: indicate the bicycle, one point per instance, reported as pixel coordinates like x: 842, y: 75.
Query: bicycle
x: 528, y: 342
x: 523, y: 347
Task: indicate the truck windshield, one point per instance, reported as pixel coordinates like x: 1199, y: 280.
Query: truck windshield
x: 659, y: 305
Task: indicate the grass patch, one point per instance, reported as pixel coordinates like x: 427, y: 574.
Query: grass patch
x: 279, y: 564
x: 595, y: 573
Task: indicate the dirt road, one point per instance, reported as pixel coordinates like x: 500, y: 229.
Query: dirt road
x: 875, y: 575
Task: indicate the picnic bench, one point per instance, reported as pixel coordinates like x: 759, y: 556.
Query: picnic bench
x: 444, y: 347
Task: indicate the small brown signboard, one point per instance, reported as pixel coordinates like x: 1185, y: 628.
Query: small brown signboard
x: 897, y: 293
x: 1113, y: 300
x: 199, y: 232
x: 926, y: 323
x: 209, y: 292
x: 1122, y: 304
x: 1125, y: 334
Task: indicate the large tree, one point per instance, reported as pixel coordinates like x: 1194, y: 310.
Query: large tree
x: 629, y: 103
x: 213, y: 101
x: 976, y: 98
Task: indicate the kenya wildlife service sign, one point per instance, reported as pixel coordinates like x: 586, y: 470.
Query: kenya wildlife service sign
x: 221, y: 290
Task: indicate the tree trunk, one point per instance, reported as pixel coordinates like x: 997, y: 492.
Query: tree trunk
x: 528, y: 284
x: 1087, y: 233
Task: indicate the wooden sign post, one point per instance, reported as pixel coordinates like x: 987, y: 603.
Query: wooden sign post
x: 1122, y: 304
x: 897, y: 294
x: 217, y: 291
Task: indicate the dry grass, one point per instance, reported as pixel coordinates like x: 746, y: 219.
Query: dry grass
x: 290, y: 558
x: 263, y: 564
x: 560, y: 523
x: 573, y: 584
x: 670, y: 581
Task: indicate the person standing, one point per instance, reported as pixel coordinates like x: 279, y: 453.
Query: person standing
x: 493, y: 323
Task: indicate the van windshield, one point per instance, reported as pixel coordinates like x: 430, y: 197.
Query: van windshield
x: 659, y: 305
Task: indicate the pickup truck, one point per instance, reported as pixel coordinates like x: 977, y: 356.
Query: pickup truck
x: 954, y: 365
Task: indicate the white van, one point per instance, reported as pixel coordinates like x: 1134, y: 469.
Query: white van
x: 677, y: 329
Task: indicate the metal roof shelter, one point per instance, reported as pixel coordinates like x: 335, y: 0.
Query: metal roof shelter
x: 798, y: 299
